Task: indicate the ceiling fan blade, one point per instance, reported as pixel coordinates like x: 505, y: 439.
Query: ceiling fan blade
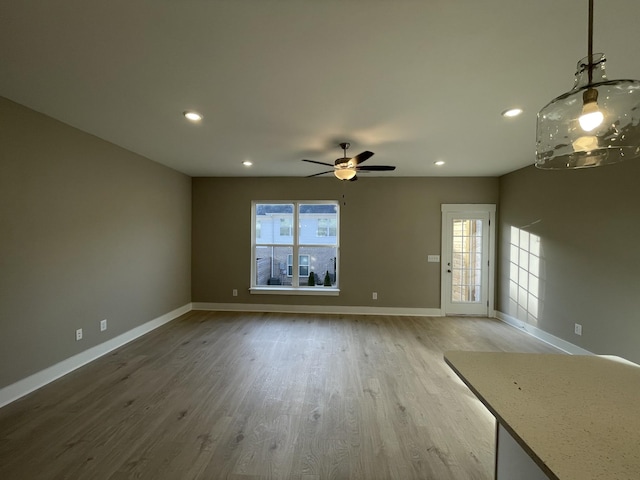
x: 321, y: 173
x: 361, y: 157
x: 376, y: 168
x: 319, y: 163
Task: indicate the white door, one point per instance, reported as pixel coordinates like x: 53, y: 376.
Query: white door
x: 467, y: 259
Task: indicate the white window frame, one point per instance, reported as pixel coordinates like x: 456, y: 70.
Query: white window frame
x: 295, y: 288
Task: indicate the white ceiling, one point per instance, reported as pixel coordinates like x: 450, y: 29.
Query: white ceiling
x: 282, y: 80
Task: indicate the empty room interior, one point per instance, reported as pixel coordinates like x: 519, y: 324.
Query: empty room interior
x: 287, y: 239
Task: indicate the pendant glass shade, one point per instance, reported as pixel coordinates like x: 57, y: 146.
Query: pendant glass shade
x: 345, y: 173
x: 596, y: 123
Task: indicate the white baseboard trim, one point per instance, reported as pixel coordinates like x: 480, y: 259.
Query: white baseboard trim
x: 13, y: 392
x: 552, y: 340
x: 329, y: 309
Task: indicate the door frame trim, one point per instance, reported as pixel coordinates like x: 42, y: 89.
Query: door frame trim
x: 489, y: 208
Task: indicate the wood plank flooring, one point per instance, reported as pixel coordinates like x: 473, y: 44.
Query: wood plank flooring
x: 241, y: 396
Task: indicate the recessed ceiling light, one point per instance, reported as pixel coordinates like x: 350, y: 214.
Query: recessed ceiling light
x: 439, y: 163
x: 247, y: 163
x: 193, y: 116
x: 512, y: 112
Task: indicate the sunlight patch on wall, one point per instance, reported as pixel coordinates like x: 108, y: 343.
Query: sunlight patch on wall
x: 524, y: 275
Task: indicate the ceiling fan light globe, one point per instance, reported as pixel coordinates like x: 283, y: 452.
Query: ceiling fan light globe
x: 345, y: 173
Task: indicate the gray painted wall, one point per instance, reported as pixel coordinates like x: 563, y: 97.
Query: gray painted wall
x: 88, y: 231
x: 588, y: 224
x: 388, y: 227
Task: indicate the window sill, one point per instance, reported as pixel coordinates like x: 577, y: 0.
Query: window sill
x: 279, y: 290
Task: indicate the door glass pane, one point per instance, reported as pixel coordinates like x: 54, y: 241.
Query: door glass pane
x: 466, y: 266
x: 467, y: 293
x: 477, y: 280
x: 474, y: 293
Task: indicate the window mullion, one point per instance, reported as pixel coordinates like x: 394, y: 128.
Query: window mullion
x: 295, y: 280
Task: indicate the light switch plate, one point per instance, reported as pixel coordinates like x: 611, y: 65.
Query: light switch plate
x: 434, y: 258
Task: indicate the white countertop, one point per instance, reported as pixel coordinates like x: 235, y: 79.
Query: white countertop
x: 578, y: 417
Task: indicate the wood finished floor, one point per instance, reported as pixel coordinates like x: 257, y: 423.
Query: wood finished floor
x: 219, y: 395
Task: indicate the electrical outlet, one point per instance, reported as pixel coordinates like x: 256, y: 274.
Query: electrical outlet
x: 103, y: 325
x: 374, y: 295
x: 235, y: 292
x: 78, y: 334
x: 577, y: 329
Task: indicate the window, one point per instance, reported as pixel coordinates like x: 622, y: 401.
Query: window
x: 327, y: 227
x: 285, y: 227
x: 303, y: 265
x: 290, y: 241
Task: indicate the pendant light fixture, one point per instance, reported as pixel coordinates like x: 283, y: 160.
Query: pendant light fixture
x: 596, y: 123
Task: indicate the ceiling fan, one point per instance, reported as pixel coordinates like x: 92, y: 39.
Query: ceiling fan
x: 346, y: 168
